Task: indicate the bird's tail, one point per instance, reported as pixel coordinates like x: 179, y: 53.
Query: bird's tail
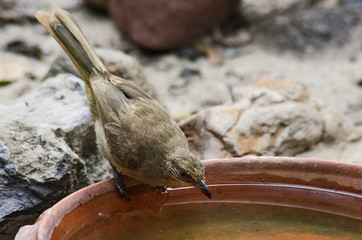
x: 62, y: 26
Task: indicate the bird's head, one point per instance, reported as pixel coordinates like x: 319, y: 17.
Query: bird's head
x: 186, y: 168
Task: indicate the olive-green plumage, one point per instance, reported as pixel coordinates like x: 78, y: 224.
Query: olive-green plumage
x: 136, y: 135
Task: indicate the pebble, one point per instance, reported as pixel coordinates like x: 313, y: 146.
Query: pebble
x: 11, y: 70
x: 189, y: 72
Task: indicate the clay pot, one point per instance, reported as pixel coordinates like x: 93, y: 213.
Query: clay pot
x: 168, y: 24
x: 101, y: 5
x: 97, y: 211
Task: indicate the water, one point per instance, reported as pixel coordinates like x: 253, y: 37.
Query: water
x: 221, y: 221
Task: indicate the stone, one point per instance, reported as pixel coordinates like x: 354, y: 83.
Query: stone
x: 165, y: 65
x: 237, y: 39
x: 168, y: 24
x: 282, y: 129
x: 339, y: 128
x: 47, y: 151
x: 216, y: 94
x: 203, y: 142
x: 25, y: 48
x: 189, y: 72
x: 268, y: 117
x: 268, y: 91
x: 26, y: 9
x: 11, y: 70
x: 256, y: 10
x: 231, y: 52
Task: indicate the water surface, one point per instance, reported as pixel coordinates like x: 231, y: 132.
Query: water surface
x: 224, y: 221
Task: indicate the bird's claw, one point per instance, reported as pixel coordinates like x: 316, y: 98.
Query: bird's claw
x: 118, y: 179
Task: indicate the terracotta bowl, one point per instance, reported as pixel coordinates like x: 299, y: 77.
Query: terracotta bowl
x: 248, y: 195
x: 168, y: 24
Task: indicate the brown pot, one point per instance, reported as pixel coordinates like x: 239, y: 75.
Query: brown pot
x: 168, y: 24
x: 252, y: 184
x: 101, y: 5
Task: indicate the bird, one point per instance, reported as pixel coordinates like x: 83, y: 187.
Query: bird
x: 133, y: 131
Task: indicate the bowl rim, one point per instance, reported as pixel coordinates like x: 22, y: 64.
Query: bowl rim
x: 347, y: 175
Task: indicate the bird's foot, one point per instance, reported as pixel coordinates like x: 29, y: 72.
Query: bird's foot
x: 118, y: 179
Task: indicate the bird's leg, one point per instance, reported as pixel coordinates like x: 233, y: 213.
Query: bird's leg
x: 118, y: 178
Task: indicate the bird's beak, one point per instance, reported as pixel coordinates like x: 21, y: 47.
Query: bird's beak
x: 203, y: 188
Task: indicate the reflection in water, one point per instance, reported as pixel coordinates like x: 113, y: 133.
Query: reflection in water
x: 227, y: 221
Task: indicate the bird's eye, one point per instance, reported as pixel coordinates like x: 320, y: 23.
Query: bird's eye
x: 183, y: 173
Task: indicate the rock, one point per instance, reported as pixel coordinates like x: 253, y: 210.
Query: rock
x: 164, y: 65
x: 47, y: 147
x: 11, y: 70
x: 256, y: 10
x: 180, y: 83
x: 190, y: 52
x: 189, y: 72
x: 283, y: 129
x: 269, y: 117
x: 186, y: 75
x: 166, y: 24
x: 62, y: 64
x: 7, y: 14
x: 231, y: 52
x: 24, y: 48
x: 268, y: 91
x: 216, y: 95
x: 359, y: 83
x: 239, y: 38
x: 277, y: 24
x: 338, y: 128
x: 116, y: 62
x: 23, y: 11
x: 201, y: 141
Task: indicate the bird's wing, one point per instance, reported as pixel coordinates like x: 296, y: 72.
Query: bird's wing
x: 130, y: 90
x: 109, y: 99
x: 115, y: 93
